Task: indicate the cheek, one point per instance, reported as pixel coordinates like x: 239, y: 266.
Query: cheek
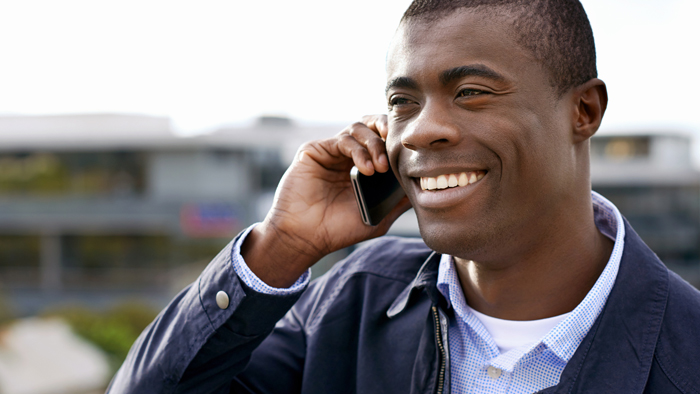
x: 505, y: 138
x: 514, y: 143
x: 523, y: 142
x: 534, y: 159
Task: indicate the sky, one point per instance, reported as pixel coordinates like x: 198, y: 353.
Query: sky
x: 214, y: 62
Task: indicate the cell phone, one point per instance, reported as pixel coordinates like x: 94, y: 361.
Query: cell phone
x: 376, y: 195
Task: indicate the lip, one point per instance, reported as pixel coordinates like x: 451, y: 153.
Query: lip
x: 443, y: 198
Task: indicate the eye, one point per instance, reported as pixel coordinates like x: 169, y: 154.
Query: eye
x: 398, y: 103
x: 470, y: 92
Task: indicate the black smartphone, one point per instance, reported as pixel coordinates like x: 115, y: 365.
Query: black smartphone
x: 376, y: 195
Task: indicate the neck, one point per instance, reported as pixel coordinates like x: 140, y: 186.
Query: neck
x: 549, y: 278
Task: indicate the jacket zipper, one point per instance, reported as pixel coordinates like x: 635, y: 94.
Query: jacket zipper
x: 438, y: 336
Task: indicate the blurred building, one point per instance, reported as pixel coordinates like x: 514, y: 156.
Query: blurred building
x: 98, y: 208
x: 651, y: 179
x: 95, y: 208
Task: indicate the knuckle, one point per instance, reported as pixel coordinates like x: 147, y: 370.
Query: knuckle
x: 356, y: 128
x: 314, y: 146
x: 346, y: 138
x: 347, y: 144
x: 377, y: 143
x: 360, y: 155
x: 358, y: 148
x: 305, y: 147
x: 346, y: 130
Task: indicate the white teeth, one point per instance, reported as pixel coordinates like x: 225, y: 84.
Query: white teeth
x: 442, y: 182
x: 431, y: 183
x: 450, y: 180
x: 463, y: 179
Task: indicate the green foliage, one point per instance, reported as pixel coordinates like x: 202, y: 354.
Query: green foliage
x: 114, y: 330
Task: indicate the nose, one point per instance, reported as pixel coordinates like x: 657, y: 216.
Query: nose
x: 432, y: 129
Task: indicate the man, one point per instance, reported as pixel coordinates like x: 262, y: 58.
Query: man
x: 525, y: 281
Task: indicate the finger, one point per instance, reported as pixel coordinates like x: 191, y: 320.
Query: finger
x: 377, y: 123
x: 370, y: 140
x: 348, y: 146
x: 324, y: 153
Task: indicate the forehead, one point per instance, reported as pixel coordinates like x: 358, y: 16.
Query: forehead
x: 461, y: 38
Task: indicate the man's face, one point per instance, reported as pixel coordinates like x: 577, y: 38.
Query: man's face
x: 464, y: 97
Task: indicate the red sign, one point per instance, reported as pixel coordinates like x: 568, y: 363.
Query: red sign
x: 210, y: 220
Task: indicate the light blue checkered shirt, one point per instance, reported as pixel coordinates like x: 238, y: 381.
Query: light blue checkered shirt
x: 472, y: 350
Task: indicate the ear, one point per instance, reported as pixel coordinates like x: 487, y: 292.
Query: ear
x: 590, y: 102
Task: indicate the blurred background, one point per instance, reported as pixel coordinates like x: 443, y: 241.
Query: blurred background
x: 138, y: 137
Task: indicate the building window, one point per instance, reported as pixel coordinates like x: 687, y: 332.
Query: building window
x: 620, y: 148
x: 119, y: 174
x: 270, y: 168
x: 92, y: 261
x: 19, y: 260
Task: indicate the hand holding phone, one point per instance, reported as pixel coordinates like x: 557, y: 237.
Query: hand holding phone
x: 314, y: 214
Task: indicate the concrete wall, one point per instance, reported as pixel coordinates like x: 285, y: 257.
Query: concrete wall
x: 198, y: 175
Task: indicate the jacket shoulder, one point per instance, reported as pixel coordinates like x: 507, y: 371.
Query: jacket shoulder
x: 379, y: 269
x: 390, y: 256
x: 678, y: 345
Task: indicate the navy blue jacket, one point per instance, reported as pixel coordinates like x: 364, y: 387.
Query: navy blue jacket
x: 375, y: 323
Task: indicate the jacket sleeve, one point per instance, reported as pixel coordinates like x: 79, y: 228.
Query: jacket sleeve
x: 194, y: 346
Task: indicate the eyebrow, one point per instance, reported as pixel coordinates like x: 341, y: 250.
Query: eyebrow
x: 401, y: 82
x: 474, y: 70
x: 447, y: 76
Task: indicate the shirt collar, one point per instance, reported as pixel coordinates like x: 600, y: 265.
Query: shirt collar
x: 563, y: 339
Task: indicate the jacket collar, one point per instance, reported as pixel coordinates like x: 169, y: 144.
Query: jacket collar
x: 616, y: 354
x: 425, y: 279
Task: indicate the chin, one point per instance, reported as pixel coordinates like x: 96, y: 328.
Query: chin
x: 456, y: 239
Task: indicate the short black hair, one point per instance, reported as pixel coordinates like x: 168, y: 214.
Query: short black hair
x: 557, y: 32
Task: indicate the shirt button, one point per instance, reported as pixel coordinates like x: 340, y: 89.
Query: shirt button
x: 222, y: 299
x: 493, y: 372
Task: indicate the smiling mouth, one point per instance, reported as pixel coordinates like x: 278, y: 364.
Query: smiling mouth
x: 447, y: 181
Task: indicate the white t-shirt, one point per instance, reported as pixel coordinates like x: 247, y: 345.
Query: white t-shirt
x: 511, y: 334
